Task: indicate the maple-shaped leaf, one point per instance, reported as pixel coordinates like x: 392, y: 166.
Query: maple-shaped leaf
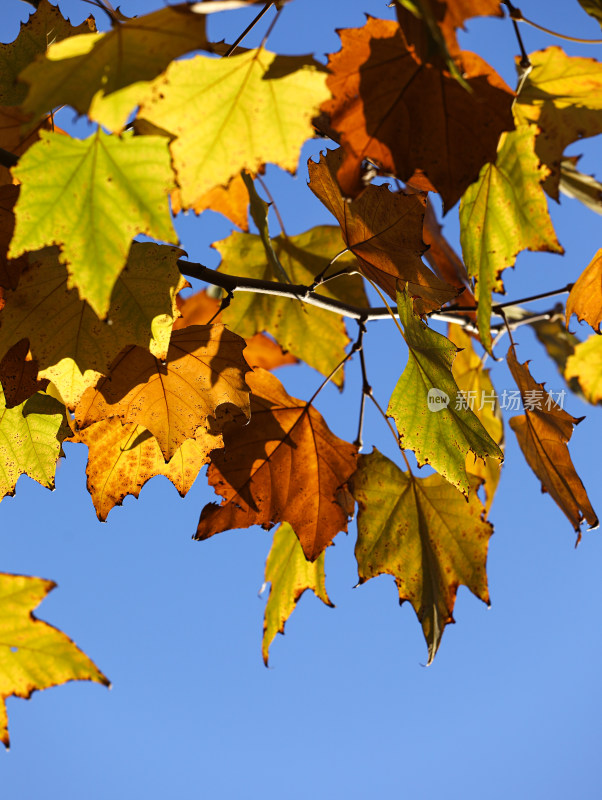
x: 261, y: 351
x: 172, y: 399
x: 45, y: 27
x: 504, y: 212
x: 407, y: 115
x: 91, y: 198
x: 241, y: 112
x: 475, y: 384
x: 290, y: 574
x: 585, y: 366
x: 424, y: 533
x: 71, y: 345
x: 107, y: 75
x: 432, y: 416
x: 563, y: 96
x: 19, y: 375
x: 231, y: 200
x: 30, y: 441
x: 33, y: 654
x: 10, y: 269
x: 284, y: 466
x: 585, y: 298
x: 316, y: 336
x: 122, y: 458
x: 383, y: 230
x: 543, y: 432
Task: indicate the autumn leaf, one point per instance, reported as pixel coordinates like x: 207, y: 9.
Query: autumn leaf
x: 122, y: 458
x: 19, y: 375
x: 585, y: 366
x: 72, y: 346
x: 563, y: 96
x: 10, y: 269
x: 231, y: 200
x: 14, y: 137
x: 316, y: 336
x: 45, y: 27
x: 270, y: 98
x: 442, y: 257
x: 558, y: 343
x: 585, y: 298
x: 431, y: 415
x: 504, y: 212
x: 107, y: 75
x: 593, y: 8
x: 424, y: 533
x: 290, y: 574
x: 384, y: 231
x: 284, y: 466
x: 543, y: 433
x: 204, y: 370
x: 33, y: 654
x: 91, y: 198
x: 584, y: 188
x: 380, y: 110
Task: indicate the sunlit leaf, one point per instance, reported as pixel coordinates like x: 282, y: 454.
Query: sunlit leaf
x: 585, y: 298
x: 585, y: 366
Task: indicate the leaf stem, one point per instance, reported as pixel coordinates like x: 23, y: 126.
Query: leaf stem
x: 247, y: 30
x: 272, y: 202
x: 516, y: 15
x: 525, y: 62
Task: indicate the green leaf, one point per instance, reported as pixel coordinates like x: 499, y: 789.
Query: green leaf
x: 504, y: 212
x: 33, y: 654
x: 290, y: 574
x: 431, y: 417
x: 91, y: 198
x: 424, y: 533
x: 585, y: 366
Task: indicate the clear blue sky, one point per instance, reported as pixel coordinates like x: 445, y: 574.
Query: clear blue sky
x: 511, y: 705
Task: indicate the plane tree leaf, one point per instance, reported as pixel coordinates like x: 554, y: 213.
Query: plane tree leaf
x: 10, y: 269
x: 71, y: 345
x: 107, y: 75
x: 33, y: 654
x: 122, y: 458
x: 431, y: 416
x: 231, y: 200
x: 424, y: 533
x: 585, y: 298
x: 384, y: 231
x: 19, y: 375
x: 584, y: 188
x: 379, y: 108
x: 284, y: 466
x: 314, y: 335
x: 14, y: 137
x: 290, y: 574
x: 172, y: 399
x: 559, y: 344
x: 562, y: 95
x: 504, y: 212
x: 585, y: 366
x: 270, y: 98
x: 91, y: 198
x: 543, y: 433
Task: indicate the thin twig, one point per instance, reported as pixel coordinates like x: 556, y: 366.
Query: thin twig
x: 247, y: 30
x: 516, y: 15
x: 270, y: 28
x: 524, y: 58
x: 333, y: 372
x: 319, y: 278
x: 366, y: 388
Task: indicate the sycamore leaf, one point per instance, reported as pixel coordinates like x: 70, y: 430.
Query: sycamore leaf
x: 559, y: 344
x: 45, y: 27
x: 172, y: 399
x: 431, y: 415
x: 504, y: 212
x: 259, y: 214
x: 92, y: 197
x: 379, y: 107
x: 585, y: 366
x: 19, y: 375
x: 584, y: 188
x: 30, y: 441
x: 122, y: 458
x: 261, y: 351
x: 585, y: 298
x: 231, y: 200
x: 14, y: 137
x: 241, y: 112
x: 314, y: 335
x: 563, y: 96
x: 290, y: 574
x: 33, y: 654
x: 543, y: 432
x: 70, y: 343
x: 108, y: 74
x: 384, y: 231
x: 475, y: 383
x: 443, y: 258
x: 10, y: 269
x: 424, y: 533
x: 284, y: 466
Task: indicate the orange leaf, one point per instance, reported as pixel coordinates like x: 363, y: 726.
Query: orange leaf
x: 232, y: 201
x: 284, y: 466
x: 172, y: 399
x: 585, y: 298
x: 543, y: 434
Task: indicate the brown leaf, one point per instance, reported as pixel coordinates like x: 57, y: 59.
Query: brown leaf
x: 407, y: 115
x: 543, y: 434
x: 232, y: 201
x: 383, y: 229
x: 19, y: 375
x: 15, y: 137
x: 172, y: 399
x: 585, y: 298
x: 10, y: 268
x: 284, y: 466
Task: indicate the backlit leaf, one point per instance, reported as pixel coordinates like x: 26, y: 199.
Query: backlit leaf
x: 585, y: 366
x: 231, y: 200
x: 584, y: 188
x: 585, y: 298
x: 19, y: 375
x: 10, y: 269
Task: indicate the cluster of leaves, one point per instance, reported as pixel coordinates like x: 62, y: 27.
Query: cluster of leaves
x: 98, y: 346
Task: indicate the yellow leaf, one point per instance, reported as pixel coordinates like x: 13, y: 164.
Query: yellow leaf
x: 585, y: 298
x: 585, y: 365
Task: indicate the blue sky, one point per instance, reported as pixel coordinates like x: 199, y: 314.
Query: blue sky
x: 512, y: 701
